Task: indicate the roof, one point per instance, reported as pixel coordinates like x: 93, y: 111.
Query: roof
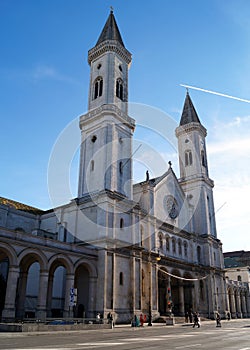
x: 237, y: 254
x: 230, y: 262
x: 110, y: 31
x: 240, y: 258
x: 20, y: 206
x: 189, y: 114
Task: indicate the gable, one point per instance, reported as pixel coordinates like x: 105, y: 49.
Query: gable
x: 170, y: 203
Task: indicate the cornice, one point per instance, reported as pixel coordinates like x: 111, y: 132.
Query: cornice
x: 184, y: 129
x: 107, y: 109
x: 109, y: 46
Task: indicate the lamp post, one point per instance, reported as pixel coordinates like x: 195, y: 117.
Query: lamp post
x: 158, y: 258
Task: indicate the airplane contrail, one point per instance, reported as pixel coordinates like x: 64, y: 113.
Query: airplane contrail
x: 215, y: 93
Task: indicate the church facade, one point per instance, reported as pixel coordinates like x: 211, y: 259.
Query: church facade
x: 124, y: 248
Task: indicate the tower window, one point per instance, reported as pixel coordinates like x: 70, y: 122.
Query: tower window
x: 119, y: 89
x: 121, y: 223
x: 188, y: 158
x: 98, y: 87
x: 92, y: 165
x: 121, y: 279
x: 120, y: 167
x: 94, y: 138
x: 120, y: 67
x: 203, y: 159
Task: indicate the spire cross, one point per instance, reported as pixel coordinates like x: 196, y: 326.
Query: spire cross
x: 111, y: 9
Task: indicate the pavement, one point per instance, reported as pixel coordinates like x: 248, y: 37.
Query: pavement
x: 233, y: 335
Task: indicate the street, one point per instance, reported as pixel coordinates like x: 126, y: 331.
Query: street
x: 234, y: 335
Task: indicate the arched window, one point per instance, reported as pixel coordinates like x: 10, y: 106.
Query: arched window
x: 173, y: 245
x: 120, y: 167
x: 92, y: 165
x: 167, y: 243
x: 121, y: 223
x: 98, y: 87
x: 119, y: 89
x: 185, y: 248
x: 142, y: 235
x: 202, y: 290
x: 121, y: 279
x: 199, y: 254
x: 203, y: 159
x: 188, y: 158
x: 179, y: 247
x: 143, y: 282
x: 160, y: 241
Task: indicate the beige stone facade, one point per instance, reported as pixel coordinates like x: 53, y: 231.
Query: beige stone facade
x: 147, y: 248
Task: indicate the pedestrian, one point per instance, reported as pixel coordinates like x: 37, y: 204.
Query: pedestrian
x: 135, y: 322
x: 228, y: 316
x: 110, y: 318
x: 196, y: 320
x: 141, y: 320
x: 186, y: 317
x: 98, y: 317
x: 218, y: 320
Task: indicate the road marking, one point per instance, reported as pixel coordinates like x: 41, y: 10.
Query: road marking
x: 99, y: 344
x: 187, y: 346
x: 45, y: 348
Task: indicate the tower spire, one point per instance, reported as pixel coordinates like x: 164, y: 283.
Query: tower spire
x: 110, y: 30
x: 189, y: 114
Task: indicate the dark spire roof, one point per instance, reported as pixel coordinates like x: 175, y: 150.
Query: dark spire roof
x: 189, y: 114
x: 110, y: 31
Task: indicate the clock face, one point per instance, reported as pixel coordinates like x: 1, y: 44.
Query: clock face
x: 172, y: 207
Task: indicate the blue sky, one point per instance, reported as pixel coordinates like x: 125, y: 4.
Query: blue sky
x: 45, y: 76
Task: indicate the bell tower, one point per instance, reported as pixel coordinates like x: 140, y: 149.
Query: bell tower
x: 106, y: 130
x: 194, y: 177
x: 109, y: 63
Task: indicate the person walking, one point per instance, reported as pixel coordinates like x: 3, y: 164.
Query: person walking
x: 110, y: 318
x: 218, y: 320
x: 196, y: 320
x: 141, y: 320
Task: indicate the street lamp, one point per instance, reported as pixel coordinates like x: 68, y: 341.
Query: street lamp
x: 157, y: 258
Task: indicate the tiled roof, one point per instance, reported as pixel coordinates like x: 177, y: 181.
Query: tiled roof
x: 20, y: 206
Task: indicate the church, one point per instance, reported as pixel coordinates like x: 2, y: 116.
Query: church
x: 119, y: 247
